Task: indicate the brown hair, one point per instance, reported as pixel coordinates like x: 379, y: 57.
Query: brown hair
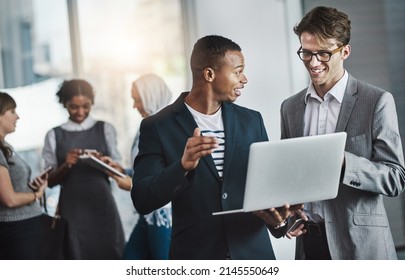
x: 325, y: 23
x: 6, y: 103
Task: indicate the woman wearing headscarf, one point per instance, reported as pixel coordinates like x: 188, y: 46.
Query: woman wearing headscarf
x: 150, y: 238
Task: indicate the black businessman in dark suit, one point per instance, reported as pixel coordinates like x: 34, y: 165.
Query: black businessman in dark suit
x: 176, y: 161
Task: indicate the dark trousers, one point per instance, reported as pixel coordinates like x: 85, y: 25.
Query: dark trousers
x: 315, y: 242
x: 21, y: 240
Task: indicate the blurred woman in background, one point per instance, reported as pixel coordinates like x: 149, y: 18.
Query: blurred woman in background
x: 20, y: 222
x: 86, y: 201
x: 150, y: 239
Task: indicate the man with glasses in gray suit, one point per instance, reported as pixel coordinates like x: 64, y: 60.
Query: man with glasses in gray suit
x: 354, y: 225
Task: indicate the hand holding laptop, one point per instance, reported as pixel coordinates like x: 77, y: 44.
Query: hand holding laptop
x: 276, y: 217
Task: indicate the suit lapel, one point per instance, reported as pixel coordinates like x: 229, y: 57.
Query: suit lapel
x: 299, y: 118
x: 229, y: 119
x: 348, y: 102
x: 184, y: 118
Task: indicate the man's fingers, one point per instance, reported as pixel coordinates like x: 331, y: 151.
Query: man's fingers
x: 302, y: 215
x: 296, y: 207
x: 269, y: 216
x: 197, y: 147
x: 197, y: 132
x: 200, y: 145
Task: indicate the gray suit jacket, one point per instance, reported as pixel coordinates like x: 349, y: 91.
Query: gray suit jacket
x: 356, y: 221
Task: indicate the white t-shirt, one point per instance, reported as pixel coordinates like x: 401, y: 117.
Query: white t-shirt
x: 213, y: 126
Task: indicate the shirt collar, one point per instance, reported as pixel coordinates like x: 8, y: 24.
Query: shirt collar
x: 73, y: 126
x: 337, y: 91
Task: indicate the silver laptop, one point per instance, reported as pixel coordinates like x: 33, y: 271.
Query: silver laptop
x: 295, y: 170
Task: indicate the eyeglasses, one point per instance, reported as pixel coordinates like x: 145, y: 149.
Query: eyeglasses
x: 322, y: 56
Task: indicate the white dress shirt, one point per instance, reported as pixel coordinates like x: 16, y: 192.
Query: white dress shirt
x: 321, y: 116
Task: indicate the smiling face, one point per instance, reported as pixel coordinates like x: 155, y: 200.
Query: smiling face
x: 79, y: 107
x: 324, y: 75
x: 8, y: 122
x: 229, y: 77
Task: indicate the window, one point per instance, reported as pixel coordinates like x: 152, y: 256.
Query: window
x: 110, y: 43
x: 34, y: 42
x: 121, y: 41
x: 113, y: 45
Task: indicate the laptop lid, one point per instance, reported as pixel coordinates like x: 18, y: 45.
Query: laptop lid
x: 295, y: 170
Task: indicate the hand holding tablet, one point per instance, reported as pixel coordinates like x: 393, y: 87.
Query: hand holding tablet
x: 99, y: 164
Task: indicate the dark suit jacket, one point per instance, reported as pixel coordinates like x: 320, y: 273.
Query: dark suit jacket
x: 356, y: 222
x: 159, y: 178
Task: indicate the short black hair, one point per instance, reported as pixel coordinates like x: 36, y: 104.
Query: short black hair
x: 208, y: 52
x: 75, y: 87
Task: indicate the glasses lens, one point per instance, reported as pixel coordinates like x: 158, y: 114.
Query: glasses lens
x: 304, y: 55
x: 323, y: 56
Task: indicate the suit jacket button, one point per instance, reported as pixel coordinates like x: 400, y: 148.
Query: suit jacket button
x: 224, y: 195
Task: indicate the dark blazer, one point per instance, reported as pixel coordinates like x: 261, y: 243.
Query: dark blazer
x: 356, y: 221
x: 159, y: 178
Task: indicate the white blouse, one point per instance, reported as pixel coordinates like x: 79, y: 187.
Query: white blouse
x: 49, y: 151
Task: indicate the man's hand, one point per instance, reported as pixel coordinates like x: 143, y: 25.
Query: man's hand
x: 295, y: 230
x: 276, y: 217
x: 197, y: 147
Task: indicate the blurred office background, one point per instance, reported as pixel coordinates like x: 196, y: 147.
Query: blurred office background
x: 112, y: 42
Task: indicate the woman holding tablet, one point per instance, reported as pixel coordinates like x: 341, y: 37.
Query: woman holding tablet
x: 86, y: 202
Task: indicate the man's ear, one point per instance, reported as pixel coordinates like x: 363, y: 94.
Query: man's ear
x: 209, y: 74
x: 346, y: 51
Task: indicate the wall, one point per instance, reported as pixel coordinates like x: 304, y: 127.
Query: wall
x: 263, y: 29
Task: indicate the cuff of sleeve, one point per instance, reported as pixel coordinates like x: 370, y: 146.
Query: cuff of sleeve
x: 280, y: 225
